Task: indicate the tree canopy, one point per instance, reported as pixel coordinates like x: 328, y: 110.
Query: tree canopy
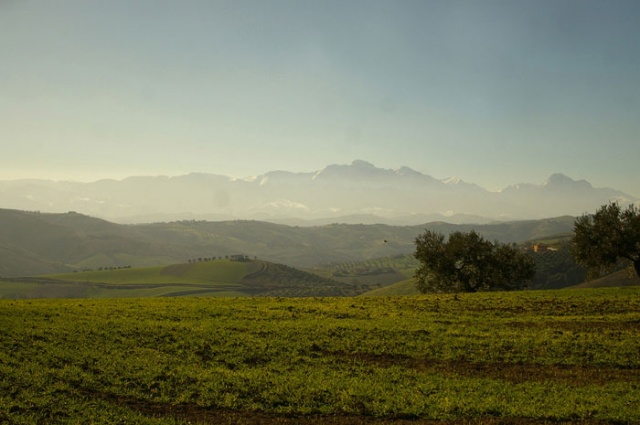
x: 603, y: 240
x: 466, y: 262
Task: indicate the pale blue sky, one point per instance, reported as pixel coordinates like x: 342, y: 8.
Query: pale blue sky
x: 495, y: 92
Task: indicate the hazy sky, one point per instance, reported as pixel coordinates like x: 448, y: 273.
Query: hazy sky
x: 495, y: 92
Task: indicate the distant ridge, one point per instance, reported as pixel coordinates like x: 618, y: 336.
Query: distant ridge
x: 34, y: 243
x: 403, y: 196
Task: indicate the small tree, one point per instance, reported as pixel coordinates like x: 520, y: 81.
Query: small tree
x: 466, y: 262
x: 601, y: 241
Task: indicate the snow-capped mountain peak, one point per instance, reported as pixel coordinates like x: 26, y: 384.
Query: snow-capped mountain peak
x: 452, y: 180
x: 336, y: 190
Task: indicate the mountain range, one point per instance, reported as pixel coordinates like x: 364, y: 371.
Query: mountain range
x: 355, y: 193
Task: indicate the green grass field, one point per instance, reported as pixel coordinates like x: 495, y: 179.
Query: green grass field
x: 223, y: 278
x: 217, y: 278
x: 404, y: 287
x: 534, y: 357
x: 207, y: 273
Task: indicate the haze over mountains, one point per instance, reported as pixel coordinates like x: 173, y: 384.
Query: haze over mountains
x: 42, y: 243
x: 356, y: 193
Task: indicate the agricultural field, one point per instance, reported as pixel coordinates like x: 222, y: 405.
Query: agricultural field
x: 219, y: 278
x: 377, y: 272
x: 402, y: 288
x: 532, y: 357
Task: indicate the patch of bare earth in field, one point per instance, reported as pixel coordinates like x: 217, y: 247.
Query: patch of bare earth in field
x: 202, y: 415
x: 515, y: 373
x: 510, y: 372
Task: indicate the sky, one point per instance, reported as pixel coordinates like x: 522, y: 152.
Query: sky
x: 496, y: 92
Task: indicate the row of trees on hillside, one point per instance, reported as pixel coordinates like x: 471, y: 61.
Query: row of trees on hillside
x: 466, y: 262
x: 235, y: 257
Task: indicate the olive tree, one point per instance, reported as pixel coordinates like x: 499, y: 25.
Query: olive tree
x: 466, y: 262
x: 605, y: 239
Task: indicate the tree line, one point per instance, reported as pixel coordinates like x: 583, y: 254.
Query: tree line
x: 234, y: 257
x: 467, y: 262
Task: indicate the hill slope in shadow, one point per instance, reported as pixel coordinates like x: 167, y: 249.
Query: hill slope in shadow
x: 38, y: 243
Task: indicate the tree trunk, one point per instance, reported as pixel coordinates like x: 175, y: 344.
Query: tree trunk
x: 636, y: 265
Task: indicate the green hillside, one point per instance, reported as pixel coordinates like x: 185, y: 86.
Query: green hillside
x: 377, y: 272
x: 65, y: 242
x: 404, y: 287
x: 14, y: 259
x: 34, y: 243
x: 215, y: 272
x: 618, y: 278
x: 206, y: 278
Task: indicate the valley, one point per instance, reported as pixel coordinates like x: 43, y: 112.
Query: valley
x: 72, y: 255
x: 34, y: 243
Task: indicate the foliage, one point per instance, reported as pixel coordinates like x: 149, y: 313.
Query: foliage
x: 529, y: 357
x: 601, y: 241
x: 466, y: 262
x: 556, y: 268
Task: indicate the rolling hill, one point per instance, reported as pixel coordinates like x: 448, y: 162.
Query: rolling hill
x: 356, y: 258
x: 618, y: 278
x: 40, y: 243
x: 204, y: 278
x: 404, y: 287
